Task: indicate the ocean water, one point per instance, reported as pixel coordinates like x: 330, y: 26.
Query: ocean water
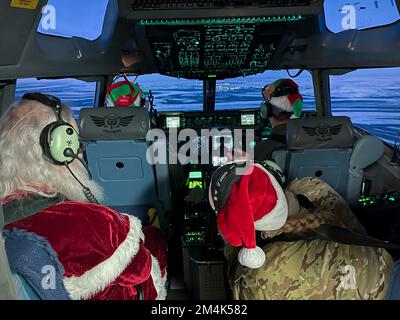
x: 370, y: 97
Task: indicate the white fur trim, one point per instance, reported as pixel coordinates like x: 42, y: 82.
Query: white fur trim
x: 275, y: 219
x: 99, y: 277
x: 158, y: 280
x: 282, y: 103
x: 252, y: 258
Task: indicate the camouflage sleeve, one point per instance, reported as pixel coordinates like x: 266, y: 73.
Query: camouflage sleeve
x: 315, y: 270
x: 325, y: 198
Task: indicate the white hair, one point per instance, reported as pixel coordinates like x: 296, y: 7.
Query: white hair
x: 23, y: 166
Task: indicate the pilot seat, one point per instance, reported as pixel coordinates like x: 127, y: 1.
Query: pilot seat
x: 325, y: 148
x: 116, y: 155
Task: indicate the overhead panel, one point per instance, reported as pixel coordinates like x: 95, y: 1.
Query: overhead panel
x: 214, y: 48
x: 216, y: 39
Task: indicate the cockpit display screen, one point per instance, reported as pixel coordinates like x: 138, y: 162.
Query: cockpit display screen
x: 248, y: 120
x: 195, y: 180
x: 173, y: 122
x: 222, y: 146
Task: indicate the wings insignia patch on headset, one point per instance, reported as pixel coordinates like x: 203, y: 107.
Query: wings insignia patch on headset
x: 112, y: 123
x: 323, y: 132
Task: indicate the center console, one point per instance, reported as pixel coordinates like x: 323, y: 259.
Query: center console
x: 203, y: 259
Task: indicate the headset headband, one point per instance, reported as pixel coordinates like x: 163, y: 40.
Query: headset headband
x: 284, y: 88
x: 47, y: 100
x: 225, y: 177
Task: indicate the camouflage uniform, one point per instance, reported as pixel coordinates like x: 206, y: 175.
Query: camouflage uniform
x: 318, y: 269
x: 325, y: 198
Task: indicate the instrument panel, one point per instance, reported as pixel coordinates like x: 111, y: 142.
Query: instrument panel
x: 222, y: 143
x: 383, y: 200
x: 245, y: 119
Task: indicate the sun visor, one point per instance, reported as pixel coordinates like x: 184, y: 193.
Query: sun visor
x: 320, y: 133
x: 117, y: 123
x: 342, y: 15
x: 75, y: 30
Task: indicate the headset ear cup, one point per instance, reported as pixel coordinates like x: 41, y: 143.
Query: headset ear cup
x: 263, y: 111
x: 62, y: 136
x: 269, y: 110
x: 266, y: 110
x: 221, y: 184
x: 44, y: 141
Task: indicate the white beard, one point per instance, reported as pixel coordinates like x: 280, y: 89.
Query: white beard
x: 66, y: 185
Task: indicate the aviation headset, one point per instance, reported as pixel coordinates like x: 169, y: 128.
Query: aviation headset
x: 267, y: 110
x: 225, y: 177
x: 59, y: 139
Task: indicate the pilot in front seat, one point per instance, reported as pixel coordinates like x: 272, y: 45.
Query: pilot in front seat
x: 271, y: 249
x: 103, y: 254
x: 283, y: 102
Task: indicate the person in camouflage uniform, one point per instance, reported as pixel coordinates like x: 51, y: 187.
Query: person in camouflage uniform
x: 317, y: 269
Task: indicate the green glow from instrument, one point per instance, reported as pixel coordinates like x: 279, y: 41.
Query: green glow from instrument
x: 195, y: 175
x: 219, y: 21
x: 195, y: 184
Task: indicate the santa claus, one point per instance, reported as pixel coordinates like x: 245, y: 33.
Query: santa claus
x: 104, y: 254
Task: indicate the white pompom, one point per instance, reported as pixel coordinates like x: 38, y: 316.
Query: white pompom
x: 252, y: 258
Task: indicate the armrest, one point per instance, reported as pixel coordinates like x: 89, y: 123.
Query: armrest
x: 366, y: 151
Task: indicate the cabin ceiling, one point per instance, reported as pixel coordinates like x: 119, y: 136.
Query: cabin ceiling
x: 195, y: 39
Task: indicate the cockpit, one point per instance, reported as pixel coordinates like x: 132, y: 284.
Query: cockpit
x: 161, y: 137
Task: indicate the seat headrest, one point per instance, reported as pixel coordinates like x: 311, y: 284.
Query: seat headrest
x: 117, y: 123
x: 320, y: 133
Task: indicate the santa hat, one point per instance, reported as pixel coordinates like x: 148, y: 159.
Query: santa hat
x: 284, y: 95
x: 256, y: 202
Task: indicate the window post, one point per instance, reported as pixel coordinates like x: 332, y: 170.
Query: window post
x: 209, y: 88
x: 101, y: 91
x: 322, y: 92
x: 7, y: 95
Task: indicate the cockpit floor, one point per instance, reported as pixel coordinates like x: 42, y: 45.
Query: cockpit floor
x: 177, y: 290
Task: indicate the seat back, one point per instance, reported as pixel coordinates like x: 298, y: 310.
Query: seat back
x: 318, y: 147
x: 394, y: 286
x: 116, y: 156
x: 7, y: 289
x: 324, y: 148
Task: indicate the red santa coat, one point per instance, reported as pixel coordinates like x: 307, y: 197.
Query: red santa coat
x: 103, y: 252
